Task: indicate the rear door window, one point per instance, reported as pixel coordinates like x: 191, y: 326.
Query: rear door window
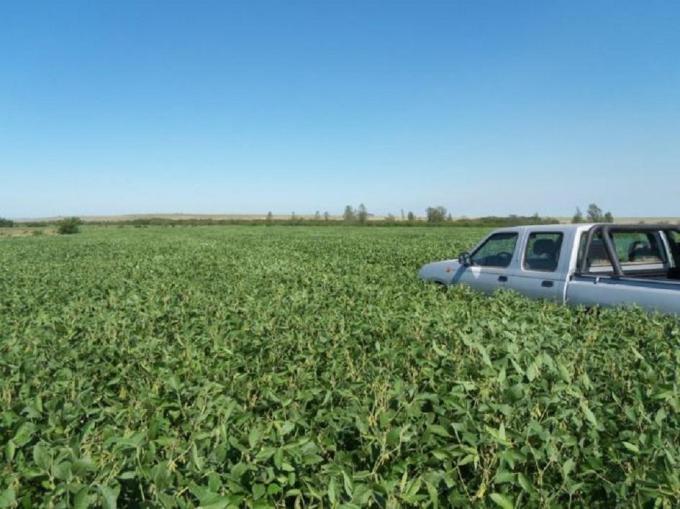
x: 497, y: 251
x: 636, y: 251
x: 638, y: 248
x: 543, y: 251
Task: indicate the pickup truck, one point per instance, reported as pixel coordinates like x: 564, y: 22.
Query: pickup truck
x: 581, y: 264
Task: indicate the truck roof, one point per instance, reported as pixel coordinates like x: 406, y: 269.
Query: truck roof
x: 549, y: 227
x: 584, y: 227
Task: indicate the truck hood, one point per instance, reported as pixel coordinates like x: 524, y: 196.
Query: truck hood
x: 441, y: 272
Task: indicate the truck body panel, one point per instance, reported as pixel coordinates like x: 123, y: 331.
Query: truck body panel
x: 607, y: 291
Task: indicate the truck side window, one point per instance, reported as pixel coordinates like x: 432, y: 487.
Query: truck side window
x: 638, y: 248
x: 543, y: 251
x: 497, y: 251
x: 674, y: 241
x: 673, y: 238
x: 598, y: 260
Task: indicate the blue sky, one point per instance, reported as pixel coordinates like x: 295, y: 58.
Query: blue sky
x: 244, y: 107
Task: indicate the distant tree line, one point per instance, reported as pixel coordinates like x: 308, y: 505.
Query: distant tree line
x: 6, y: 223
x: 434, y: 216
x: 594, y: 214
x: 358, y: 215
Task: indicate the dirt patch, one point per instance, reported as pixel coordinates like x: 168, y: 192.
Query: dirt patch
x: 21, y: 231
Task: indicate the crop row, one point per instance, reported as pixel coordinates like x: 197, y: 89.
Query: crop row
x: 308, y: 367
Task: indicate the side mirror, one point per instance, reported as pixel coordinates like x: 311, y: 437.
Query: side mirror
x: 464, y: 259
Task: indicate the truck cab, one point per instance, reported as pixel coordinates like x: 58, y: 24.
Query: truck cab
x: 533, y: 260
x: 557, y: 262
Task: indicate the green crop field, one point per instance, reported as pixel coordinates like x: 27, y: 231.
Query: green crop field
x: 254, y: 366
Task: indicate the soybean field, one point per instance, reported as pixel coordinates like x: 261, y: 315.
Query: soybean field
x: 305, y: 367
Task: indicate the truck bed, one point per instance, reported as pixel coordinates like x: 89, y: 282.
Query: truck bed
x: 648, y: 292
x: 672, y: 275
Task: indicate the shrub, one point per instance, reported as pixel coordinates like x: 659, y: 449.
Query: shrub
x: 6, y: 223
x: 69, y: 226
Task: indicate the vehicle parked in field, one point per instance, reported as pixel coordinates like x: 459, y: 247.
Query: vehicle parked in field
x: 583, y: 264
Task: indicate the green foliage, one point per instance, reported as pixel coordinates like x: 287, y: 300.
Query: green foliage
x: 436, y: 214
x: 69, y: 226
x: 349, y: 215
x: 358, y: 215
x: 6, y: 223
x: 578, y: 217
x: 595, y: 215
x: 511, y: 220
x: 362, y: 214
x: 308, y: 367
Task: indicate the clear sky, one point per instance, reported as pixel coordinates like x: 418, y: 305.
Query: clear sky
x: 111, y: 107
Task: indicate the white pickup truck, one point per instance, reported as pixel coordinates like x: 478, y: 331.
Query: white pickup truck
x: 583, y: 264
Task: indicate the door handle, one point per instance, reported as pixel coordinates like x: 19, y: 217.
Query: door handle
x: 503, y: 279
x: 547, y: 284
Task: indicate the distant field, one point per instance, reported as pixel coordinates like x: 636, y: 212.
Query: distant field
x: 173, y: 217
x: 222, y: 217
x: 246, y: 366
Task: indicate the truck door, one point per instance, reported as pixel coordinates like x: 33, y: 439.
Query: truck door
x: 543, y: 268
x: 490, y: 261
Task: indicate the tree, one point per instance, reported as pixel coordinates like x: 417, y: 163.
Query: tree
x: 436, y: 214
x: 362, y: 214
x: 270, y: 217
x: 326, y: 216
x: 608, y: 217
x: 317, y: 216
x: 578, y: 216
x: 411, y: 217
x: 293, y: 217
x: 349, y: 216
x: 402, y: 215
x: 390, y: 218
x: 595, y: 214
x: 6, y: 223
